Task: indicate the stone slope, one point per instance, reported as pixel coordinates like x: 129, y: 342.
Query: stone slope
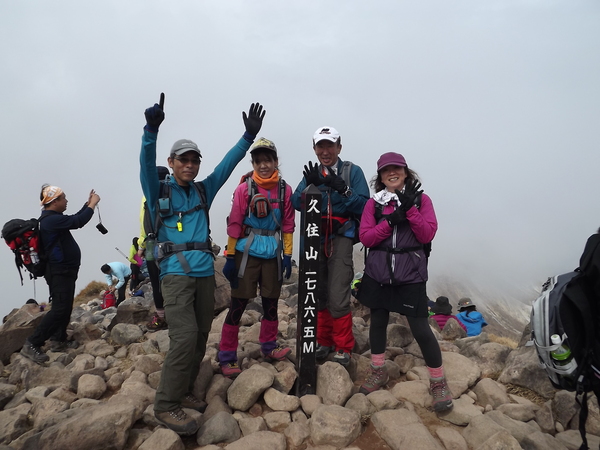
x: 100, y: 395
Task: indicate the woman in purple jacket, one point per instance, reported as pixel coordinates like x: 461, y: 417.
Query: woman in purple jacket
x: 397, y: 224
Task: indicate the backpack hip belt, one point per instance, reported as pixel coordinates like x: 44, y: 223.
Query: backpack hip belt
x: 395, y: 251
x: 166, y: 249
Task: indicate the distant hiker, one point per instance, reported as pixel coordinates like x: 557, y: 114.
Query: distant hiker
x: 395, y: 230
x: 157, y: 322
x: 442, y: 312
x: 345, y: 192
x: 260, y: 231
x: 64, y: 259
x: 184, y: 252
x: 135, y: 264
x: 470, y: 317
x: 122, y: 273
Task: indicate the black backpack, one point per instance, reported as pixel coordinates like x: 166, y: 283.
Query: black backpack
x: 23, y: 238
x: 580, y: 314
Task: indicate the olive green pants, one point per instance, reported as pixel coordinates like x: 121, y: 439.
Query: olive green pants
x: 189, y: 309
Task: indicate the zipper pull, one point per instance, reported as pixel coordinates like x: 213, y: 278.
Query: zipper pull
x: 179, y: 224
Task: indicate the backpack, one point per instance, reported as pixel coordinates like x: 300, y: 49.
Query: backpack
x: 580, y: 313
x: 545, y: 320
x: 108, y: 300
x: 260, y: 207
x: 164, y: 209
x: 569, y: 306
x: 23, y: 238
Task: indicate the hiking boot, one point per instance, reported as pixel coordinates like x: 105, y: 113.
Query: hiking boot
x: 63, y: 346
x: 192, y: 402
x: 377, y: 378
x: 279, y: 353
x: 442, y: 396
x: 34, y: 353
x: 178, y: 421
x: 342, y: 357
x: 230, y: 370
x: 323, y: 351
x: 157, y: 323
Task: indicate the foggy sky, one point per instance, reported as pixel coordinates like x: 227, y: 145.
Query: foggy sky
x: 495, y: 104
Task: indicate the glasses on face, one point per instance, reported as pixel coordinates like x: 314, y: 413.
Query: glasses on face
x: 185, y: 161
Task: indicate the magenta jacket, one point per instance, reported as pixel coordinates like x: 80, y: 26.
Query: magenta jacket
x: 240, y: 205
x: 398, y: 268
x: 441, y: 320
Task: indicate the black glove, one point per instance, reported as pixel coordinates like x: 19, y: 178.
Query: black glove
x: 155, y: 115
x: 253, y: 121
x: 335, y: 182
x: 311, y: 174
x: 395, y: 218
x: 408, y: 197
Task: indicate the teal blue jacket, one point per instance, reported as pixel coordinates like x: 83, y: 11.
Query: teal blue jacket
x: 195, y: 227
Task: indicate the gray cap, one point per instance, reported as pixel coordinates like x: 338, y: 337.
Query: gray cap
x: 184, y: 145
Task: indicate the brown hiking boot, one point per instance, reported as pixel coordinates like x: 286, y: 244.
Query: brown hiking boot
x: 192, y: 402
x: 377, y: 378
x: 178, y: 421
x: 442, y: 396
x: 34, y: 353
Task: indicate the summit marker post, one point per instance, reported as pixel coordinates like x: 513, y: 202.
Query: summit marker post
x: 308, y: 280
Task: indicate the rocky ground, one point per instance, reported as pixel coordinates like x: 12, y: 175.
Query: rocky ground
x: 100, y: 395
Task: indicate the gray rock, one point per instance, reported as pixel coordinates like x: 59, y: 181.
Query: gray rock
x: 163, y: 439
x: 248, y: 386
x: 7, y: 392
x: 361, y: 404
x: 91, y: 386
x: 126, y: 333
x: 222, y: 427
x: 334, y: 425
x: 278, y: 401
x: 402, y: 429
x: 249, y: 425
x: 277, y: 420
x: 296, y: 433
x: 490, y: 392
x: 13, y: 423
x: 334, y: 385
x: 522, y: 369
x: 263, y: 440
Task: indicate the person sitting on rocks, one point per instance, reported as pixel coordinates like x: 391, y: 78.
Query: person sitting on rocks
x: 258, y: 235
x: 469, y: 316
x: 442, y: 312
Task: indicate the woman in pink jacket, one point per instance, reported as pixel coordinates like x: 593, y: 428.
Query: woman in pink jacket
x: 259, y: 251
x: 397, y: 225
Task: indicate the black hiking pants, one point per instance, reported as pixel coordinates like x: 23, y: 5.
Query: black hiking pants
x: 61, y: 281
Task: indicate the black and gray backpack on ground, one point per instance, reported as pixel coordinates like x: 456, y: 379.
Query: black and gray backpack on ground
x: 546, y: 321
x: 570, y: 307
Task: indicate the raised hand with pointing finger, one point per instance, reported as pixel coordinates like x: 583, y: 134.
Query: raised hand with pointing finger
x: 155, y: 115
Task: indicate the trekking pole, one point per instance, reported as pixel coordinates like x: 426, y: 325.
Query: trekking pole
x: 117, y: 249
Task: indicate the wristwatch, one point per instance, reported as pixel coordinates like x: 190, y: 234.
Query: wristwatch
x: 347, y: 193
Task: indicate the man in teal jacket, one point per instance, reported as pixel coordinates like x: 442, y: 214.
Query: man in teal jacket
x: 186, y: 261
